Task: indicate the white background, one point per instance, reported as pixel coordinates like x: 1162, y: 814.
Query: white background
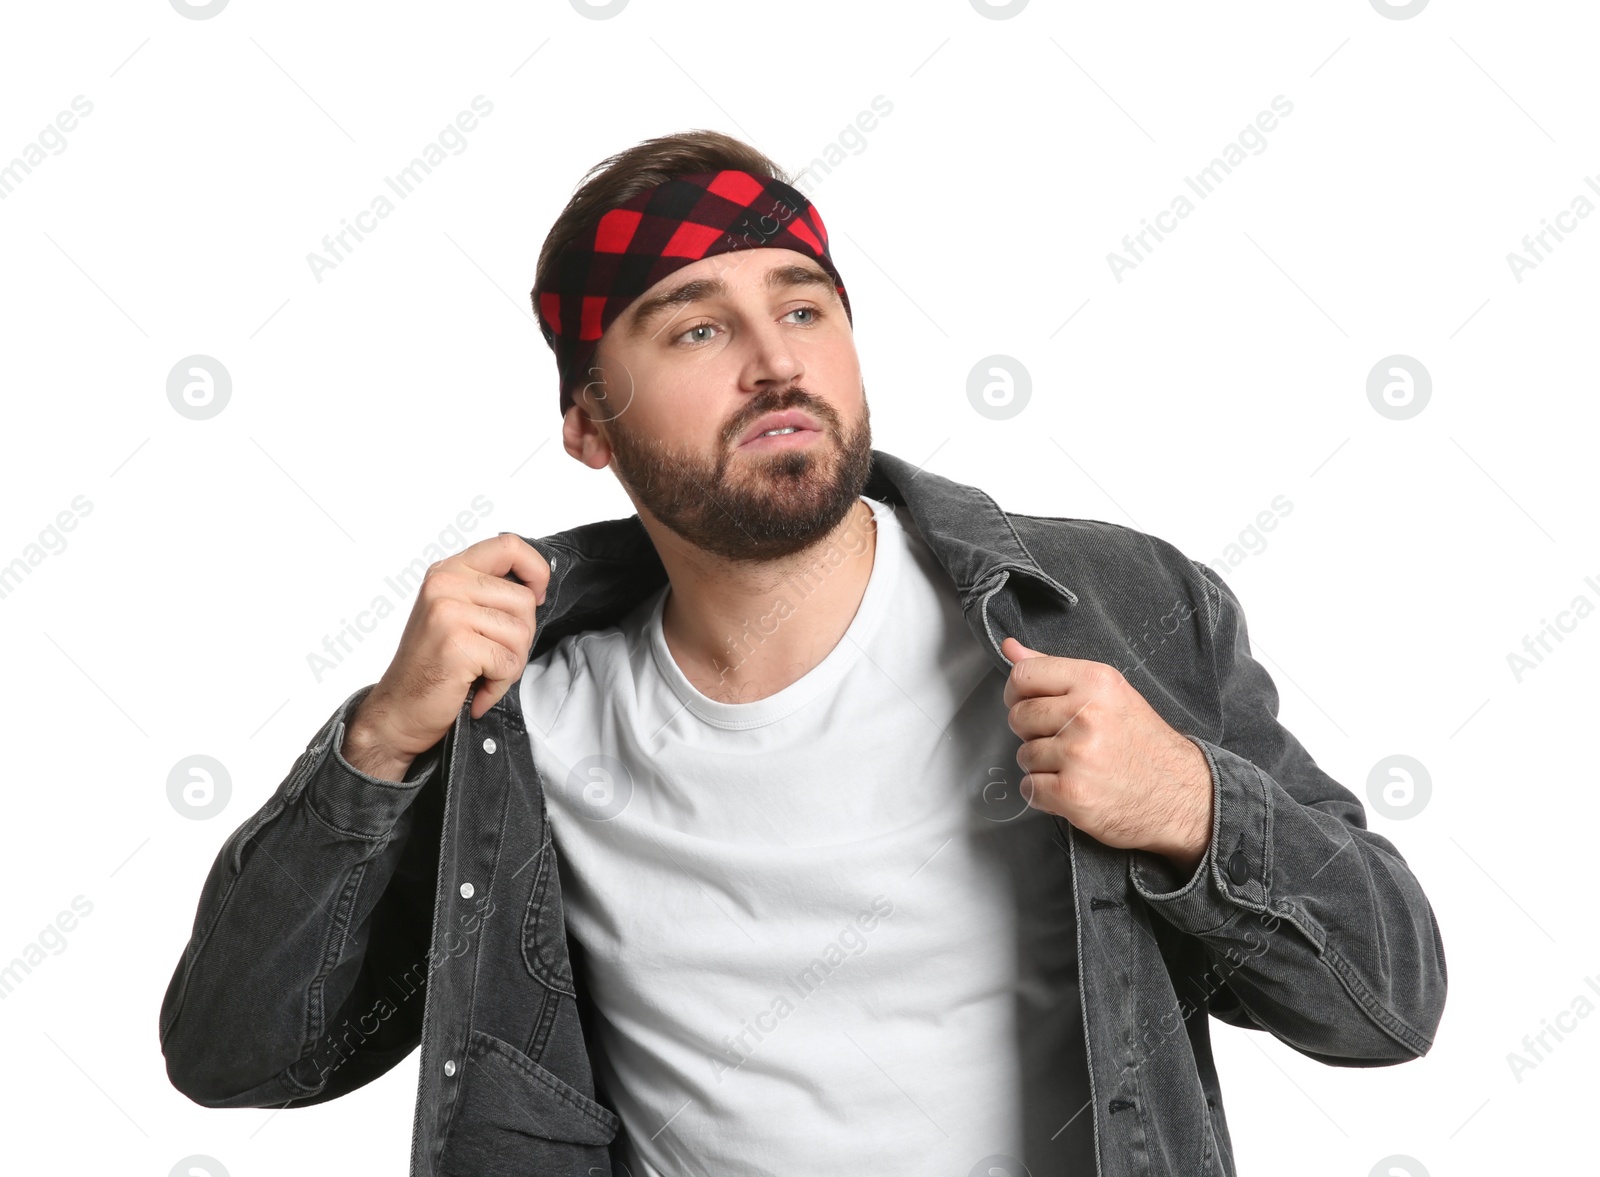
x: 1229, y: 367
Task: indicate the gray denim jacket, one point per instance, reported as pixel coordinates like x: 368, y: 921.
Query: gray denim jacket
x: 351, y: 918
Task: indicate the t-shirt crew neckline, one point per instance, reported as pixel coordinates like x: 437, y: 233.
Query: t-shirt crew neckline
x: 826, y: 674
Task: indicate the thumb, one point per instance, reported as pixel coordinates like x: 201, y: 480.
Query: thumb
x: 1019, y: 649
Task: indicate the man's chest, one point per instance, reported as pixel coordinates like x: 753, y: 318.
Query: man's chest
x: 749, y: 904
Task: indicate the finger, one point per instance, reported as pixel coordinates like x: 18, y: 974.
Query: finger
x: 504, y: 629
x: 1043, y: 717
x: 497, y: 592
x: 490, y: 692
x: 509, y: 553
x: 1020, y: 651
x: 1041, y: 791
x: 1047, y: 675
x: 468, y: 656
x: 498, y: 667
x: 468, y: 586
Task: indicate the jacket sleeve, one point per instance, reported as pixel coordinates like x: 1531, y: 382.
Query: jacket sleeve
x: 304, y: 974
x: 1315, y: 926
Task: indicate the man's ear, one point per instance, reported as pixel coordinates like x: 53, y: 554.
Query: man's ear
x: 583, y: 436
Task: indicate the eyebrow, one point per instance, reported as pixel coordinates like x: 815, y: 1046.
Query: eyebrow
x: 700, y: 289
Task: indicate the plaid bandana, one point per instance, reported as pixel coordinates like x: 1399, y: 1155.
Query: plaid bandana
x: 630, y: 248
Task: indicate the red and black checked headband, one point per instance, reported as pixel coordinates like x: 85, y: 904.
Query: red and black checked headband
x: 630, y: 248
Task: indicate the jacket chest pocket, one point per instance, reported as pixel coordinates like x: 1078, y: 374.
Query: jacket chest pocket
x: 544, y: 931
x: 513, y: 1118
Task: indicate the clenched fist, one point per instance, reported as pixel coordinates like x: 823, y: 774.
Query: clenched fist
x: 1097, y: 754
x: 469, y: 624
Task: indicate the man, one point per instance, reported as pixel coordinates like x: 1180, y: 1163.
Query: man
x: 819, y: 817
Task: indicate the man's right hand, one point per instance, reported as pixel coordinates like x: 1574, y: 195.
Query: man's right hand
x: 469, y: 624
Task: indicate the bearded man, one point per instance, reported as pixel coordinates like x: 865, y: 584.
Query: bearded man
x: 819, y: 817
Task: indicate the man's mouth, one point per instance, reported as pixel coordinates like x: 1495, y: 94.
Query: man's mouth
x: 788, y: 437
x: 788, y: 428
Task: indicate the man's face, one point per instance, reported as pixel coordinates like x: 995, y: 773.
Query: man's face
x: 693, y: 365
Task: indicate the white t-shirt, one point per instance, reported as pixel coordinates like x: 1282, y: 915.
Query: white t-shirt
x: 824, y: 933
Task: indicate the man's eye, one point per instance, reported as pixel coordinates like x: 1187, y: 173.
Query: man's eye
x: 697, y: 327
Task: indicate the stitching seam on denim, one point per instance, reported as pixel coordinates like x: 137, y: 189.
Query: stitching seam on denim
x: 338, y: 934
x: 344, y: 833
x: 536, y: 895
x: 557, y: 1086
x: 1208, y: 592
x: 1381, y: 1015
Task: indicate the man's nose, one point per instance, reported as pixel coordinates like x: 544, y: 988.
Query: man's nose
x: 772, y: 358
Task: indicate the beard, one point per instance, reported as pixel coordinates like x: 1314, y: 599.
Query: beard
x: 751, y: 507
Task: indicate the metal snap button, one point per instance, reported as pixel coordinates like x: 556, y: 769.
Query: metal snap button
x: 1238, y: 867
x: 449, y: 1067
x: 466, y: 890
x: 489, y: 745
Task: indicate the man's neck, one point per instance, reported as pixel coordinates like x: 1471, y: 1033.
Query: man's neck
x: 742, y: 632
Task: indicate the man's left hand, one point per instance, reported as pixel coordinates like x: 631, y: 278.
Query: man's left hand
x: 1097, y: 754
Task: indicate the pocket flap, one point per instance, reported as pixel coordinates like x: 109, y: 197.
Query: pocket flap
x: 504, y: 1088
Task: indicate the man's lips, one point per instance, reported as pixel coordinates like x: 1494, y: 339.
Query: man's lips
x: 789, y: 418
x: 783, y: 441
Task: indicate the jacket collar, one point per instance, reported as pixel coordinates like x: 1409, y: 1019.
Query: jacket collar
x: 600, y: 571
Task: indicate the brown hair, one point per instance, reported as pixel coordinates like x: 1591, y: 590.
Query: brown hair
x: 645, y: 165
